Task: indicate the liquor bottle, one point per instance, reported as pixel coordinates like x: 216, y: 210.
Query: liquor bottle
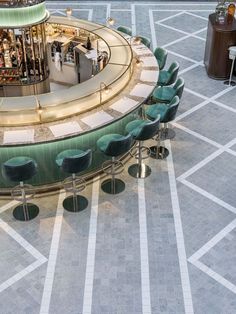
x: 230, y: 12
x: 88, y: 45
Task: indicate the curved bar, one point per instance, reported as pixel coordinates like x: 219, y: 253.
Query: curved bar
x: 79, y: 98
x: 82, y: 130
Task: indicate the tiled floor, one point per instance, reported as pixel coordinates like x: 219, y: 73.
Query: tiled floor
x: 166, y: 244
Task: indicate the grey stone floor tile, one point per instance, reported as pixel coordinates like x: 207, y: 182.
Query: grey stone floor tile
x: 220, y: 127
x: 187, y: 48
x: 181, y: 22
x: 198, y: 81
x: 218, y: 178
x: 202, y: 219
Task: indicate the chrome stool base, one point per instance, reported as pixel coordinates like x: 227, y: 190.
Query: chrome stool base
x: 26, y: 212
x: 139, y: 171
x: 159, y: 152
x: 75, y: 204
x: 167, y: 134
x: 230, y: 83
x: 114, y: 186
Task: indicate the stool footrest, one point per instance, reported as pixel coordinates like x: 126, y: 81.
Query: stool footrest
x: 117, y: 164
x: 74, y: 185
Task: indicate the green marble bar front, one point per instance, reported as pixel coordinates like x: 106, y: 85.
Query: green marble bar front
x: 45, y: 154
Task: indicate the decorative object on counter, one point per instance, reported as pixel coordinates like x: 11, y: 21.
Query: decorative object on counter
x: 231, y: 12
x: 105, y: 88
x: 220, y: 11
x: 68, y: 12
x: 232, y: 56
x: 110, y: 21
x: 88, y: 44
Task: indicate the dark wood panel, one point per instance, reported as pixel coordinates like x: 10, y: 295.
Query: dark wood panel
x: 219, y: 38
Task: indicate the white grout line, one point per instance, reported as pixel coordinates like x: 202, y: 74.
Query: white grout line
x: 21, y: 274
x: 193, y: 35
x: 183, y: 57
x: 196, y: 15
x: 206, y: 160
x: 48, y: 284
x: 201, y: 137
x: 108, y: 12
x: 201, y: 164
x: 121, y: 10
x: 133, y: 19
x: 19, y: 239
x: 89, y: 275
x: 152, y: 27
x: 209, y: 196
x: 193, y: 66
x: 217, y: 277
x: 8, y: 205
x: 90, y: 14
x: 40, y: 259
x: 212, y: 242
x: 180, y: 31
x: 186, y: 287
x: 145, y: 280
x: 169, y: 17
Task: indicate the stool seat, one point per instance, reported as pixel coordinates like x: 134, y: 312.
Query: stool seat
x: 105, y: 140
x: 20, y: 169
x: 68, y: 153
x: 156, y: 109
x: 163, y: 94
x: 135, y: 127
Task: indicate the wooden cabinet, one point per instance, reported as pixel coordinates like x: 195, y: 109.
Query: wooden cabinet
x: 219, y: 38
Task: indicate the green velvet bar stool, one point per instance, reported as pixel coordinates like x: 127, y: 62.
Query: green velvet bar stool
x: 161, y: 56
x: 165, y: 94
x: 142, y: 130
x: 73, y: 161
x: 20, y: 169
x: 145, y: 40
x: 166, y: 114
x: 168, y: 77
x: 125, y: 30
x: 114, y: 145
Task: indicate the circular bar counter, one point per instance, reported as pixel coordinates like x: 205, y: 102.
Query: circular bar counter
x: 78, y: 116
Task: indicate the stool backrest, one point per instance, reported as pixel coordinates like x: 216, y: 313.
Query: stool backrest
x: 161, y: 56
x: 148, y: 130
x: 179, y: 87
x: 173, y: 70
x: 77, y: 163
x: 19, y: 169
x: 171, y: 111
x: 125, y: 29
x: 146, y: 41
x: 119, y: 146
